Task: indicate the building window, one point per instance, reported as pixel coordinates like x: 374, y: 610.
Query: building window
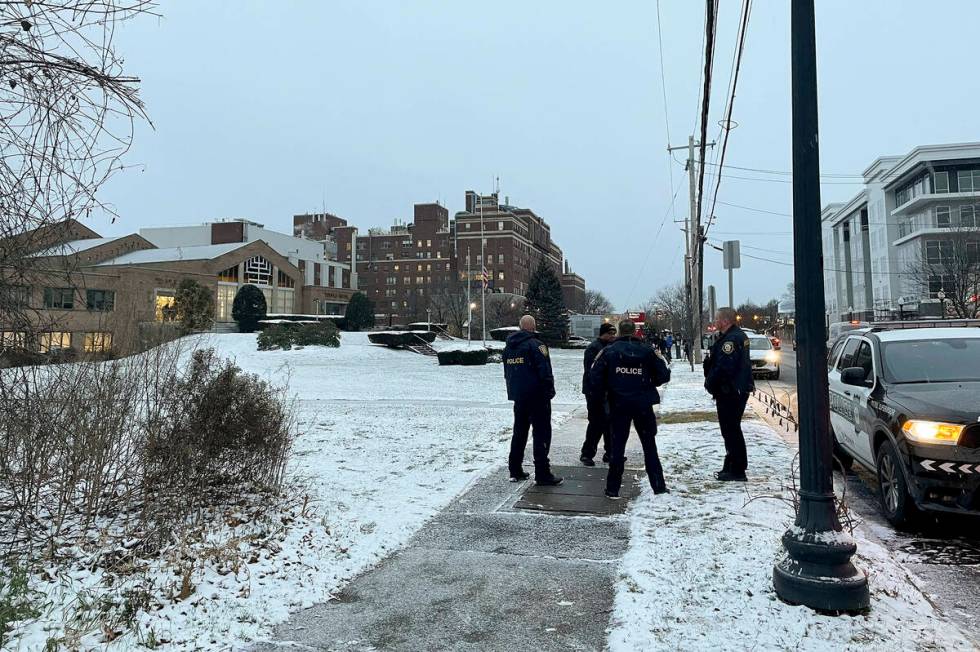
x: 16, y: 340
x: 428, y: 243
x: 500, y: 226
x: 438, y: 254
x: 500, y: 276
x: 939, y: 282
x: 973, y: 253
x: 407, y: 280
x: 938, y: 251
x: 165, y: 306
x: 419, y: 268
x: 98, y: 342
x: 283, y: 302
x: 102, y: 300
x: 229, y: 275
x: 396, y: 268
x: 420, y: 244
x: 968, y: 180
x: 394, y: 304
x: 59, y: 298
x: 968, y: 215
x: 226, y: 299
x: 391, y: 280
x: 419, y: 280
x: 54, y: 341
x: 942, y: 217
x: 940, y: 182
x: 258, y: 271
x: 285, y: 281
x: 467, y: 226
x: 500, y: 259
x: 14, y: 296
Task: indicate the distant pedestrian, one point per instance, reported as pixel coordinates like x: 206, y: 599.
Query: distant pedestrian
x: 595, y: 402
x: 687, y: 350
x: 629, y: 371
x: 668, y: 345
x: 728, y: 378
x: 677, y: 348
x: 531, y: 386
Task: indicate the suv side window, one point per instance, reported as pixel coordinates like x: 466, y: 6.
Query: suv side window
x: 847, y: 357
x: 833, y: 354
x: 863, y: 359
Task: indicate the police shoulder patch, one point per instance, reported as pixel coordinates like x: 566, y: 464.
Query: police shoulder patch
x: 727, y: 348
x: 544, y: 350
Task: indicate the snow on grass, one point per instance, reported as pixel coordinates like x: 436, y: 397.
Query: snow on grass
x: 698, y: 571
x: 388, y: 438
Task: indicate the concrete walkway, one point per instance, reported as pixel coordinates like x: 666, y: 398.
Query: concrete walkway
x: 482, y: 576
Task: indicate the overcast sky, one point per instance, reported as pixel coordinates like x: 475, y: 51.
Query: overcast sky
x: 263, y: 110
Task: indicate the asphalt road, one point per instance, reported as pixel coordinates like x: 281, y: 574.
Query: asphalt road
x: 943, y: 552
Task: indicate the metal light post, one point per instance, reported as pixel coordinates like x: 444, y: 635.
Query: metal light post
x: 817, y: 571
x: 942, y: 303
x: 901, y: 311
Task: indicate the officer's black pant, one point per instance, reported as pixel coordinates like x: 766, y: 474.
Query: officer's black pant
x: 620, y: 418
x: 537, y: 415
x: 598, y: 426
x: 731, y: 407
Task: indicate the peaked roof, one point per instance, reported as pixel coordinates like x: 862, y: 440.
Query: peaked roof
x: 75, y: 246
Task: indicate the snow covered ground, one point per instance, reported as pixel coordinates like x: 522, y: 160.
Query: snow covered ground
x: 388, y: 438
x: 698, y: 571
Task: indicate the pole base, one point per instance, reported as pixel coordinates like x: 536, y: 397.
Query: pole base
x: 818, y: 573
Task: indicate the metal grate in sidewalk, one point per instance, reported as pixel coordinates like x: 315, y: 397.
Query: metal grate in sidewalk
x: 582, y: 493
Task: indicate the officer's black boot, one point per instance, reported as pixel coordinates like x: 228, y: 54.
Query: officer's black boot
x: 547, y: 479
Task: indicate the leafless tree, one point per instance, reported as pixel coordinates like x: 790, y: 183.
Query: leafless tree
x: 596, y: 303
x: 668, y: 308
x: 504, y: 309
x: 448, y: 304
x: 951, y: 264
x: 67, y: 112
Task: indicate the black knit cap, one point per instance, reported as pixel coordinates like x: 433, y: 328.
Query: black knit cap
x: 607, y: 328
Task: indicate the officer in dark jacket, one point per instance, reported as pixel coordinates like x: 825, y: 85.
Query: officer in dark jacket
x: 728, y: 378
x: 595, y: 402
x: 531, y: 385
x: 629, y: 371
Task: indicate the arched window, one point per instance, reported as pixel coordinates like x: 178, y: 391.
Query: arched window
x: 258, y: 271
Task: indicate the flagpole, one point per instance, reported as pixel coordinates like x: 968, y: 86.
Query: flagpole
x: 469, y: 305
x: 483, y: 270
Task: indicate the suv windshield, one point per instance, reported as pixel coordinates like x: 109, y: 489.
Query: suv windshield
x: 759, y: 343
x: 932, y: 361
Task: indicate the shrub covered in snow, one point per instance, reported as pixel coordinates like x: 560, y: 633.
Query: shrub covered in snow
x: 463, y: 357
x: 289, y: 334
x: 401, y: 339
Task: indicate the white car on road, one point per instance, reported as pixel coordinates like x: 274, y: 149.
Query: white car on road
x: 765, y: 358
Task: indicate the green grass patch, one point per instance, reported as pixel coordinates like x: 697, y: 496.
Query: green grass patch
x: 687, y: 417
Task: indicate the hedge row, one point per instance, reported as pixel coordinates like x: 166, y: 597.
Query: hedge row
x: 286, y: 336
x: 501, y: 334
x: 471, y: 357
x: 399, y: 340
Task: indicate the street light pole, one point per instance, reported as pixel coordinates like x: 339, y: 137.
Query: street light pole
x: 817, y: 571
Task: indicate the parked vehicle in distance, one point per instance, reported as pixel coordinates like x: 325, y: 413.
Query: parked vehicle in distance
x: 905, y: 404
x: 765, y: 359
x: 776, y: 342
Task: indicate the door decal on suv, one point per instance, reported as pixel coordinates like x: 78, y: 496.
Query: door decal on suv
x: 842, y: 406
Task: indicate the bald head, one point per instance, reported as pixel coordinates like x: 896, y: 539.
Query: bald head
x: 626, y: 327
x: 528, y: 324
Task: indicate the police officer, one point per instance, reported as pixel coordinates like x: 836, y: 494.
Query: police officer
x: 531, y: 386
x: 728, y: 378
x: 629, y: 371
x: 595, y: 402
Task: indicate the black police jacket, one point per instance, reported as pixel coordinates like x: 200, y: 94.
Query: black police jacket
x: 590, y: 355
x: 728, y: 370
x: 630, y: 372
x: 527, y: 368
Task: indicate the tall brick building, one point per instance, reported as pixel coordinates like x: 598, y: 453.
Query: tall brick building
x: 402, y: 267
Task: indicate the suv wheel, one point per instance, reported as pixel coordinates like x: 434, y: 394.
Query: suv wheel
x: 775, y: 374
x: 896, y: 502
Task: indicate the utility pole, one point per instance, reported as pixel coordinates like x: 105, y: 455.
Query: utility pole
x: 817, y: 571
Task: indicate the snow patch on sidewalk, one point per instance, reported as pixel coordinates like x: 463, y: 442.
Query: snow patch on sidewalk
x: 698, y: 572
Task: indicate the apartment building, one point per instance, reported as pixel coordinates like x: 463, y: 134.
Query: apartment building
x: 884, y: 249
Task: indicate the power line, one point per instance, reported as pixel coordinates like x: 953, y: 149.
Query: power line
x: 710, y: 25
x: 754, y: 210
x: 743, y: 28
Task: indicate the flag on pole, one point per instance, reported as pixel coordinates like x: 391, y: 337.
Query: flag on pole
x: 486, y: 278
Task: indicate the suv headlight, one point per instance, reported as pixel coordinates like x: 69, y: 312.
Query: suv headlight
x: 932, y: 432
x: 772, y: 357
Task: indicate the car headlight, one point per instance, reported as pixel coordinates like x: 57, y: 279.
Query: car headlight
x: 772, y: 357
x: 932, y: 432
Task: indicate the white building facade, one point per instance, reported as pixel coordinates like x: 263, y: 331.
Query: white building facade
x: 909, y: 207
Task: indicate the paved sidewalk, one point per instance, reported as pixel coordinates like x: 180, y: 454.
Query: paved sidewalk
x: 481, y: 576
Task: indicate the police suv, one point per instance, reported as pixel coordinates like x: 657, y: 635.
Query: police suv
x: 905, y: 403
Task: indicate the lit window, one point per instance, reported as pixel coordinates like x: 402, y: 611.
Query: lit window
x: 13, y: 340
x: 54, y: 341
x: 258, y: 271
x: 500, y: 226
x: 428, y: 243
x: 500, y: 276
x: 98, y: 342
x: 164, y: 305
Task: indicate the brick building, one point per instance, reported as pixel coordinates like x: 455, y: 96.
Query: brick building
x: 572, y: 289
x: 403, y: 267
x: 98, y: 295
